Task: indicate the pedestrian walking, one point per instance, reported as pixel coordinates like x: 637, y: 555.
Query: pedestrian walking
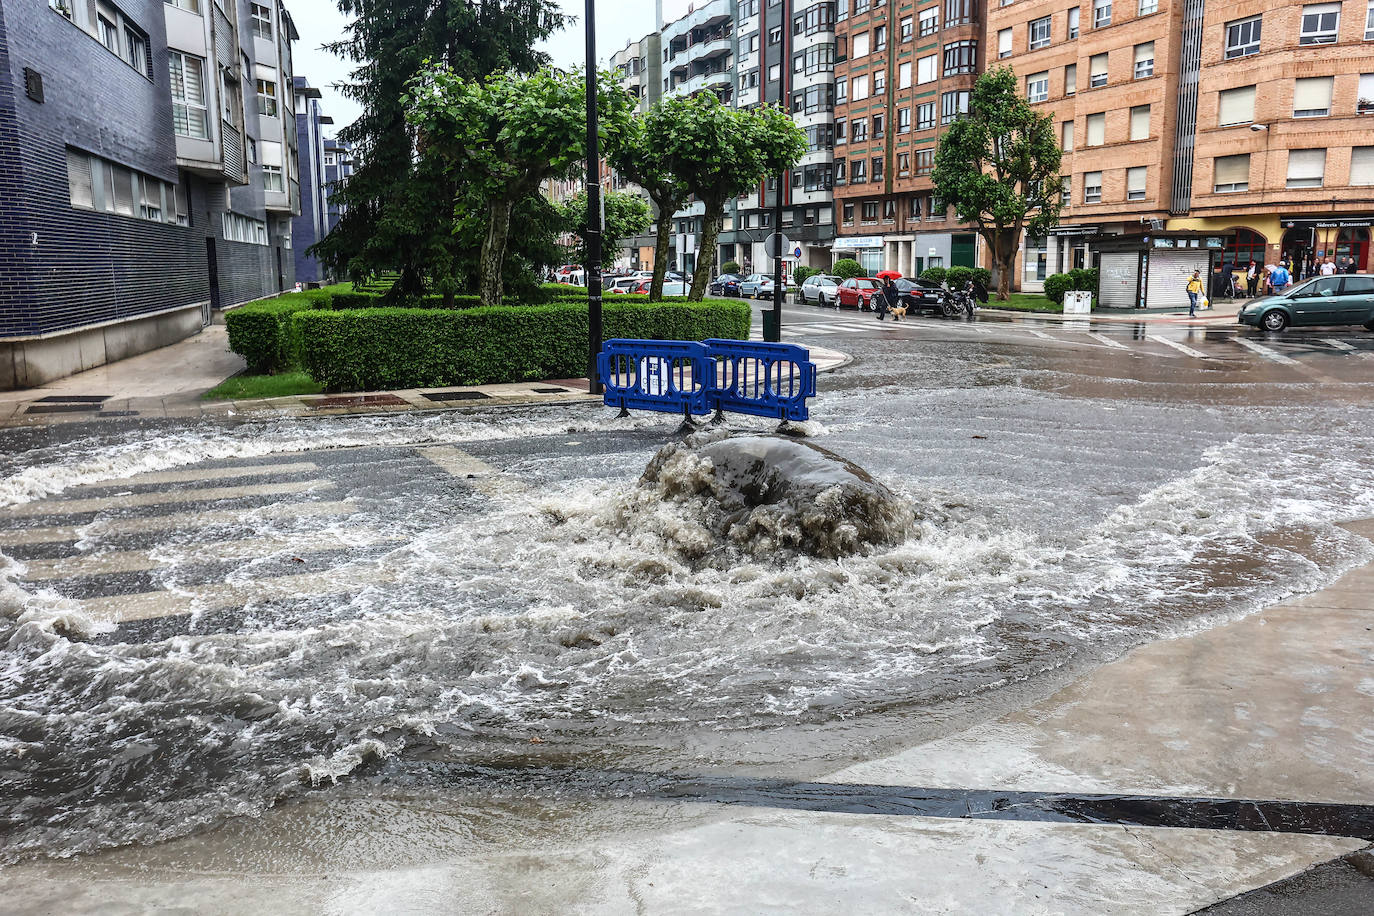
x: 888, y: 298
x: 1194, y: 292
x: 1279, y: 278
x: 1252, y: 278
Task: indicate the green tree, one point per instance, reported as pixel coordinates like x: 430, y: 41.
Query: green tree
x: 499, y: 139
x: 399, y: 210
x: 999, y: 167
x: 645, y: 163
x: 720, y: 153
x: 627, y: 215
x: 845, y: 268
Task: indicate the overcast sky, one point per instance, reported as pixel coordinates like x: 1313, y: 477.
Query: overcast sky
x: 319, y: 21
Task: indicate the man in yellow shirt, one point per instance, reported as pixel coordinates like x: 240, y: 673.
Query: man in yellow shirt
x: 1194, y: 293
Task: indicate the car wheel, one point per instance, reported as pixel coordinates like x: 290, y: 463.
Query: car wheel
x: 949, y: 309
x: 1273, y: 320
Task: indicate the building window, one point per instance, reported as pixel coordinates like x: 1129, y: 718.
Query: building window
x: 262, y: 21
x: 841, y: 130
x: 79, y: 179
x: 272, y: 178
x: 1235, y: 106
x: 1038, y: 87
x: 841, y: 89
x: 1135, y: 183
x: 192, y: 5
x: 267, y: 98
x: 1066, y: 190
x: 908, y: 29
x: 925, y: 70
x: 958, y: 12
x: 1306, y: 168
x: 1362, y: 166
x: 1144, y: 60
x: 877, y: 168
x: 1004, y: 43
x: 1039, y: 33
x: 960, y: 57
x: 903, y: 165
x: 878, y: 123
x: 870, y: 212
x: 1070, y: 79
x: 860, y: 130
x: 150, y: 198
x: 1243, y: 37
x: 190, y: 117
x: 879, y: 81
x: 952, y: 105
x: 1097, y: 70
x: 1364, y: 101
x: 106, y: 30
x: 775, y: 35
x: 239, y: 228
x: 1231, y: 174
x: 1369, y: 22
x: 928, y: 21
x: 841, y: 173
x: 1102, y: 13
x: 1097, y: 129
x: 1312, y: 97
x: 98, y: 184
x: 848, y: 214
x: 1147, y: 7
x: 903, y: 120
x: 880, y: 38
x: 1092, y: 187
x: 1073, y: 23
x: 1320, y: 23
x: 1066, y: 136
x: 858, y: 89
x: 859, y: 173
x: 904, y: 75
x: 913, y: 212
x: 1140, y: 122
x: 925, y: 116
x: 229, y: 98
x: 925, y: 161
x: 858, y: 45
x: 136, y: 49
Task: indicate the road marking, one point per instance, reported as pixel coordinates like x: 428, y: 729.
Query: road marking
x: 481, y: 476
x: 172, y: 521
x: 1267, y: 353
x: 1041, y: 334
x: 123, y: 501
x: 1182, y: 348
x: 809, y: 329
x: 190, y: 474
x: 1338, y: 344
x: 126, y: 561
x: 1103, y: 338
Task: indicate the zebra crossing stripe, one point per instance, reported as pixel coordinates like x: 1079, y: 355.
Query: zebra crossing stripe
x: 193, y: 474
x: 1182, y: 348
x: 1338, y: 344
x: 130, y: 500
x: 1103, y: 338
x: 1041, y: 334
x: 173, y: 521
x: 1267, y: 353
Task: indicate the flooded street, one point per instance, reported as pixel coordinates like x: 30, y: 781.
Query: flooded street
x: 199, y: 624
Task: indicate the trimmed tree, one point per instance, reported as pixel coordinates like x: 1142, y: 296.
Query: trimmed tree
x: 645, y: 163
x: 626, y: 215
x: 501, y: 138
x: 999, y: 167
x: 720, y: 153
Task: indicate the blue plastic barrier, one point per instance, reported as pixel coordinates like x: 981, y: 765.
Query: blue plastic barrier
x: 763, y: 379
x: 679, y: 376
x: 674, y: 376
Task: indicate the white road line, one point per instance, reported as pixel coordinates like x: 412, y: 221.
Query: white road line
x: 480, y: 475
x: 1182, y: 348
x: 810, y: 329
x: 96, y: 504
x: 1041, y: 334
x: 1338, y: 344
x: 125, y: 561
x: 1103, y: 338
x: 1267, y: 353
x: 172, y: 521
x: 183, y: 476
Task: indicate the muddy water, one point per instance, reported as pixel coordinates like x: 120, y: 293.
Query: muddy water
x: 560, y: 605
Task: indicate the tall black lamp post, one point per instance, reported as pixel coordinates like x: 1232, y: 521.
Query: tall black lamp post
x: 592, y: 269
x: 772, y: 325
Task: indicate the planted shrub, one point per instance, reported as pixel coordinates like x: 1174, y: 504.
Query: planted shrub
x: 933, y: 274
x: 730, y: 267
x: 1056, y: 285
x: 801, y: 274
x: 1084, y: 278
x: 262, y: 333
x: 982, y: 276
x: 956, y: 277
x: 387, y: 348
x: 848, y: 267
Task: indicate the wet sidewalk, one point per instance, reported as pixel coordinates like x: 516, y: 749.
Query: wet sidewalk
x: 170, y: 382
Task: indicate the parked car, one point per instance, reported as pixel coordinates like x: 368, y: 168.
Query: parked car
x: 920, y: 295
x: 725, y: 285
x: 818, y: 288
x: 749, y: 286
x: 620, y: 285
x: 765, y: 288
x: 857, y: 292
x: 1336, y: 299
x: 670, y: 287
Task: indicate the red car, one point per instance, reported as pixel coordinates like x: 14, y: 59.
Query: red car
x: 857, y: 292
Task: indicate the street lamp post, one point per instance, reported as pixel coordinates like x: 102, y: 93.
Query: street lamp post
x: 593, y: 232
x: 773, y: 329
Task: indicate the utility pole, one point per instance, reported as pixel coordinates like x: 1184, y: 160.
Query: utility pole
x: 772, y: 330
x: 592, y: 269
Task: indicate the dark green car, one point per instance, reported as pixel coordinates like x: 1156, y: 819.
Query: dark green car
x: 1337, y: 299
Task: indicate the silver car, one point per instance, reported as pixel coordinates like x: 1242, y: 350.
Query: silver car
x: 820, y: 289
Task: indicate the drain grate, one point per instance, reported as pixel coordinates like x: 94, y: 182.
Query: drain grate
x: 62, y: 408
x: 550, y: 391
x: 456, y: 395
x: 358, y: 400
x: 74, y: 399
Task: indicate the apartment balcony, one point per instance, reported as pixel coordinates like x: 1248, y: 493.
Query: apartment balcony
x: 717, y: 46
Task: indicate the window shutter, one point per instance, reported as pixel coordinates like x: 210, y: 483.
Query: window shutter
x: 1145, y: 52
x: 1362, y: 165
x: 1366, y: 95
x: 1306, y: 164
x: 1097, y: 129
x: 1236, y: 106
x: 1071, y: 79
x: 123, y: 190
x: 1135, y: 179
x: 1067, y: 143
x: 1004, y: 43
x: 1232, y: 169
x: 1312, y: 93
x: 1140, y: 122
x: 1097, y: 65
x: 79, y: 178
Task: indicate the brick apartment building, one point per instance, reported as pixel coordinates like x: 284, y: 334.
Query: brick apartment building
x: 147, y: 174
x: 904, y: 70
x: 1197, y: 136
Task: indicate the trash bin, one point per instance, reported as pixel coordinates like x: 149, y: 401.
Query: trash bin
x: 1078, y: 302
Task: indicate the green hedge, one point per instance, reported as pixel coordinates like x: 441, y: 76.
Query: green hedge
x: 389, y: 348
x: 933, y: 275
x: 262, y: 333
x: 1056, y: 285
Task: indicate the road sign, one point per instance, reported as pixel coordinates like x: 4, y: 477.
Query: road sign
x: 796, y: 252
x: 776, y: 244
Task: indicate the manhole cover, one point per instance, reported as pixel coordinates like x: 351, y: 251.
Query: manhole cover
x: 456, y: 395
x: 358, y: 400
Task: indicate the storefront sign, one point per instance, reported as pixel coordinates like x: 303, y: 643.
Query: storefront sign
x: 1353, y: 222
x: 1075, y: 230
x: 856, y: 242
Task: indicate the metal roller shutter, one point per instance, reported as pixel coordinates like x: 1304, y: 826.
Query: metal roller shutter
x: 1169, y: 270
x: 1118, y: 279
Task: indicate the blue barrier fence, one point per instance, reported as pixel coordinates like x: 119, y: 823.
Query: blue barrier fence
x: 677, y: 376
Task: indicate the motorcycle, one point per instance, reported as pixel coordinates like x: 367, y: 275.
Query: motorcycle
x: 965, y: 299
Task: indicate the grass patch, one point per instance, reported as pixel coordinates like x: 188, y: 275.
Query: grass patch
x: 251, y: 387
x: 1027, y: 302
